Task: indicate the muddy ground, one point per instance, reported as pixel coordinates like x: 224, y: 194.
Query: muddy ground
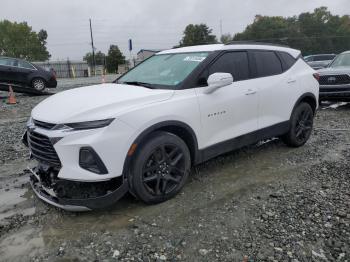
x: 266, y: 202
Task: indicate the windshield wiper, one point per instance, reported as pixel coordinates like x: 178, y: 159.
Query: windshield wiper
x: 137, y: 83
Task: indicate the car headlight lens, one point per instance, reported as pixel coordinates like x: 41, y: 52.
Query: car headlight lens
x: 30, y: 122
x: 85, y: 125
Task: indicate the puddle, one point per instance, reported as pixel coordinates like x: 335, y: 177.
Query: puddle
x: 21, y: 245
x: 10, y: 198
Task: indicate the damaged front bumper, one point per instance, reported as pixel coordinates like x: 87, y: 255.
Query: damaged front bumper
x: 82, y: 200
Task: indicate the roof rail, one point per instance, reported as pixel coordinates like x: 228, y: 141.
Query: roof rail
x: 254, y: 43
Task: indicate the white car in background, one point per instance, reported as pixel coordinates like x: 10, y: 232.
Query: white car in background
x: 177, y: 109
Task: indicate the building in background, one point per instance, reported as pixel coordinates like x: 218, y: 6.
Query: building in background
x: 146, y: 53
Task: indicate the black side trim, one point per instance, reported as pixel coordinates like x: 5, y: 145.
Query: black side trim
x: 244, y: 140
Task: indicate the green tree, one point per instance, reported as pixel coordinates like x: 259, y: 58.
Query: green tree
x: 316, y: 32
x: 226, y: 38
x: 99, y: 58
x: 20, y: 41
x: 114, y: 58
x: 197, y: 35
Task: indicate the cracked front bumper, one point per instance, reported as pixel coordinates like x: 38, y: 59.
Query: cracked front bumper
x: 75, y: 204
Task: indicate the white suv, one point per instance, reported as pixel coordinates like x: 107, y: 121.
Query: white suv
x: 178, y: 108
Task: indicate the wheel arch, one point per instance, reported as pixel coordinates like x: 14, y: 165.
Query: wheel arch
x: 307, y: 98
x: 178, y: 128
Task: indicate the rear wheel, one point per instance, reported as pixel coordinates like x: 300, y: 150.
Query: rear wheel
x: 301, y: 124
x: 160, y: 168
x: 38, y: 84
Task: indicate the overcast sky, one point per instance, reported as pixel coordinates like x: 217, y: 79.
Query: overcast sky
x: 152, y: 24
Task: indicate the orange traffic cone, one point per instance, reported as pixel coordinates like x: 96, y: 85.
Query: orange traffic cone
x: 11, y: 98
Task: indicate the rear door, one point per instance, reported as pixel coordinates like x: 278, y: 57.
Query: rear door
x: 277, y: 86
x: 24, y: 69
x: 230, y: 111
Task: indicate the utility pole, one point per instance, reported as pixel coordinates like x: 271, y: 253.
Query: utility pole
x: 220, y: 28
x: 93, y: 50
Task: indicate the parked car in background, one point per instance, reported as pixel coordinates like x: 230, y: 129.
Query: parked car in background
x: 176, y: 109
x: 319, y: 61
x: 335, y: 79
x: 22, y: 75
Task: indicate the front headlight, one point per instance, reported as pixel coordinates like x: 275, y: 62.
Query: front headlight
x: 85, y: 125
x: 30, y: 122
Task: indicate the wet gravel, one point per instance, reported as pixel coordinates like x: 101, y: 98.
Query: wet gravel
x: 265, y: 202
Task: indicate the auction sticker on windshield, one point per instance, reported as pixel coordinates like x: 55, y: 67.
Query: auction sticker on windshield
x: 194, y: 58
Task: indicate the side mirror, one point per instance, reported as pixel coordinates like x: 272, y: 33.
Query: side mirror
x: 218, y: 80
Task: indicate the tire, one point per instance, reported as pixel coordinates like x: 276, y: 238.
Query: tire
x: 301, y: 123
x: 160, y: 168
x: 38, y: 84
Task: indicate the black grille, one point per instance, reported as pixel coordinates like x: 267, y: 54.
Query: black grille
x: 334, y: 80
x: 43, y: 125
x: 42, y: 149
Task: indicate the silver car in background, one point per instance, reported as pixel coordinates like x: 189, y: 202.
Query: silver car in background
x: 335, y: 79
x: 319, y: 61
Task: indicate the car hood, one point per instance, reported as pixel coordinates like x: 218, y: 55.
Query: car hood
x: 335, y: 70
x: 96, y: 102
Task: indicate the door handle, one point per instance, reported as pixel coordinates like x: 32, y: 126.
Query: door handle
x: 250, y: 92
x: 291, y: 80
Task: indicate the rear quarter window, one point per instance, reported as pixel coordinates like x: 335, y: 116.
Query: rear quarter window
x: 287, y: 60
x: 267, y: 63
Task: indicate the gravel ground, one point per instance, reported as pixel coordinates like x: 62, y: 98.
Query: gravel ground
x: 265, y: 202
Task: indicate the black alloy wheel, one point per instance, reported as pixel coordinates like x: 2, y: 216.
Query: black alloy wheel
x: 163, y: 170
x: 304, y: 125
x: 301, y: 124
x: 160, y: 168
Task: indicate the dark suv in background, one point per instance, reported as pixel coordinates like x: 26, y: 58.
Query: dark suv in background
x: 319, y: 61
x: 335, y: 79
x: 21, y: 74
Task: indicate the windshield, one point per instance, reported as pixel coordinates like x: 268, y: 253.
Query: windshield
x: 164, y: 70
x: 341, y: 60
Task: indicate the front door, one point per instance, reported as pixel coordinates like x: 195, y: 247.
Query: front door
x: 230, y: 111
x: 8, y: 70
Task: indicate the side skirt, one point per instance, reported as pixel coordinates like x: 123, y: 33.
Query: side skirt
x: 241, y: 141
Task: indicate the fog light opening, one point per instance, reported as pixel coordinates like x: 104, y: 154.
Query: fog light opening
x: 89, y: 160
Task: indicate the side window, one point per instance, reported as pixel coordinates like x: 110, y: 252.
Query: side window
x: 287, y: 60
x: 267, y: 63
x: 321, y: 58
x: 309, y: 59
x: 235, y: 63
x: 25, y: 64
x: 3, y: 61
x: 329, y: 57
x: 8, y: 62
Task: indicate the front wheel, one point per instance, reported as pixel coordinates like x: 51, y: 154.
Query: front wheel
x: 160, y: 168
x: 38, y: 84
x: 301, y: 124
